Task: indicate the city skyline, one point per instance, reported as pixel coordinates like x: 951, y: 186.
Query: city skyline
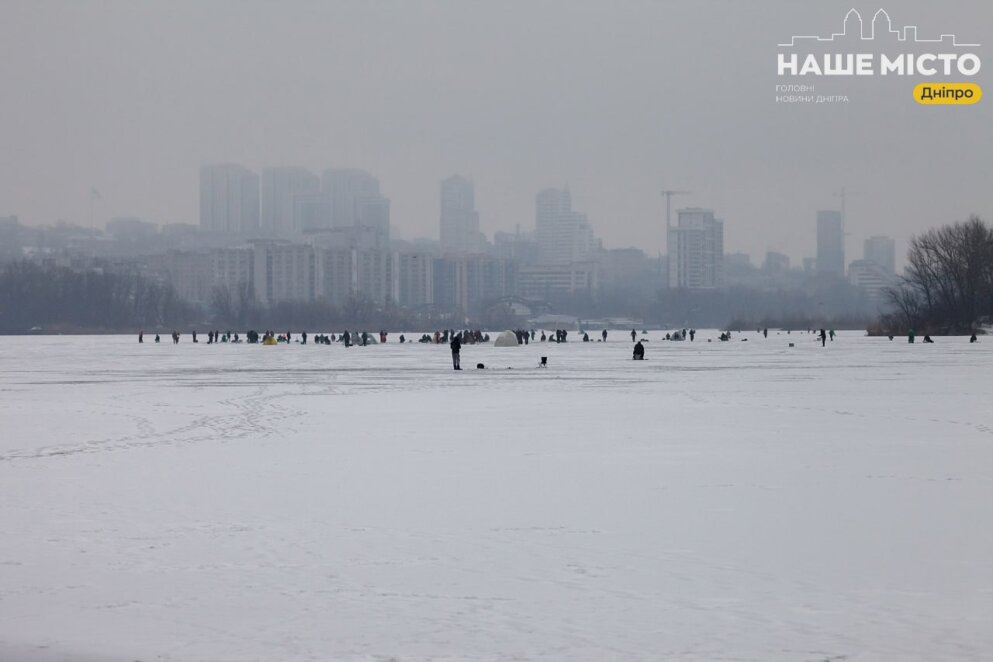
x: 617, y: 119
x: 458, y: 229
x: 312, y: 188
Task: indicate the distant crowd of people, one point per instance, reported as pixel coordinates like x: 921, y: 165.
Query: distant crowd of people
x: 456, y: 339
x: 467, y: 337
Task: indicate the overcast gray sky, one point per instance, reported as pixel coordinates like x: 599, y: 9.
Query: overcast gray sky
x: 615, y: 99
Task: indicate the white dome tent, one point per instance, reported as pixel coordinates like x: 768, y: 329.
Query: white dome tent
x: 506, y: 339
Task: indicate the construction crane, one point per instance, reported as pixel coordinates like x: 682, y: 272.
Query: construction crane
x: 843, y: 195
x: 668, y: 193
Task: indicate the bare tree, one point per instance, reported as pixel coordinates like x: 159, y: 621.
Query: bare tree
x: 949, y: 279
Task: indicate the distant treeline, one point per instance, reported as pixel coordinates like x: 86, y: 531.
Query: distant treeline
x: 47, y: 298
x: 829, y: 301
x: 948, y: 285
x: 50, y: 298
x: 237, y: 309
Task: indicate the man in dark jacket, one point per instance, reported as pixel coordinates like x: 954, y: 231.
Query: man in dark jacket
x: 456, y: 346
x: 639, y: 351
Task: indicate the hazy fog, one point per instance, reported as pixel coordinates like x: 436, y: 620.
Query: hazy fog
x: 615, y: 99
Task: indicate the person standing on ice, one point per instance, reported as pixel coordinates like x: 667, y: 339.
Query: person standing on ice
x: 639, y: 352
x: 823, y: 335
x: 634, y: 335
x: 456, y: 346
x: 141, y: 336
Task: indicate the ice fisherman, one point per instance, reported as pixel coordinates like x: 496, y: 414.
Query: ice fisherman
x: 456, y: 346
x: 639, y: 351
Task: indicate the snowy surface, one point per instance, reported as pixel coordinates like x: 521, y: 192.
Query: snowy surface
x: 719, y: 501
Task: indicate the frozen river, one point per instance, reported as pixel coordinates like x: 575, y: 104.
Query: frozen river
x: 719, y: 501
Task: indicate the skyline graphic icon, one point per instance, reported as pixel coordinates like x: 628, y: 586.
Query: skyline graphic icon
x: 854, y: 26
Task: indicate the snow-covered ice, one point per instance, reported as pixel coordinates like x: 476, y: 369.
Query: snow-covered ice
x: 738, y: 500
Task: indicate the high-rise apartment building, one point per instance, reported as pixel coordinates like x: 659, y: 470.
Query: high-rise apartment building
x: 231, y: 268
x: 356, y: 200
x: 882, y: 251
x: 871, y: 277
x: 563, y: 235
x: 280, y: 189
x: 283, y: 271
x: 229, y: 199
x: 189, y: 274
x: 311, y: 211
x: 830, y: 243
x: 696, y: 250
x: 550, y: 281
x: 459, y: 218
x: 414, y: 279
x: 469, y: 282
